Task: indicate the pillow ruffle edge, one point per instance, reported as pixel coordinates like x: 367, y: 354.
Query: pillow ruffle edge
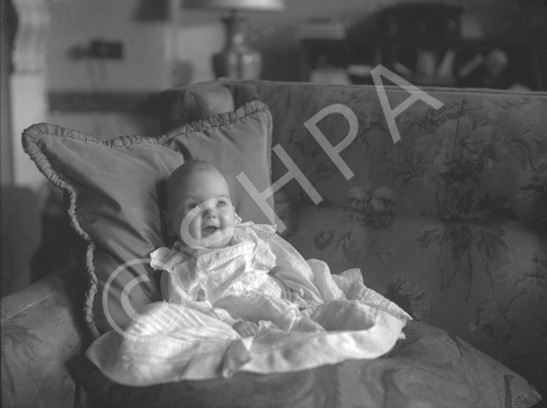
x: 31, y: 147
x: 225, y: 119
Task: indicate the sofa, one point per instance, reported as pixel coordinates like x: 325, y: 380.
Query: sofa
x: 438, y: 196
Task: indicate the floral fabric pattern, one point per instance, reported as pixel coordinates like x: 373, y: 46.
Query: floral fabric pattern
x: 450, y: 222
x: 39, y: 339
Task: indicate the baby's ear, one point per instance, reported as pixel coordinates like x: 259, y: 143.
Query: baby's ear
x: 237, y: 219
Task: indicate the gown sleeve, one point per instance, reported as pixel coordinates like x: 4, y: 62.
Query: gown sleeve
x: 166, y: 259
x: 309, y: 279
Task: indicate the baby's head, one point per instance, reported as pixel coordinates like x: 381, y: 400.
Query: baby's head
x: 199, y: 206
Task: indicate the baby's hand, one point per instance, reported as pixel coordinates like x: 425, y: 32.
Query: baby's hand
x: 245, y: 328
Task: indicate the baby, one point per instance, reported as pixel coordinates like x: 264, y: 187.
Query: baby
x: 223, y: 266
x: 238, y: 297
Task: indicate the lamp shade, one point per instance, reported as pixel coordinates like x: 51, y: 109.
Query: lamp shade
x: 258, y: 5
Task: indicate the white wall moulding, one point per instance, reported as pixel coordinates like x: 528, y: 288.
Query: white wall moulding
x: 28, y: 83
x: 7, y: 28
x: 29, y: 53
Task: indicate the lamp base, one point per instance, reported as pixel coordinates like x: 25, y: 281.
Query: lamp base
x: 237, y: 65
x: 238, y: 60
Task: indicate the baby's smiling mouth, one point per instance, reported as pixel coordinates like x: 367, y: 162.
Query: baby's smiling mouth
x: 211, y: 229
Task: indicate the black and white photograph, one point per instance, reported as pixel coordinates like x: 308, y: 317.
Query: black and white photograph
x: 273, y: 203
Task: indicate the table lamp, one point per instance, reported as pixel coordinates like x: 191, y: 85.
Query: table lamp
x: 238, y: 59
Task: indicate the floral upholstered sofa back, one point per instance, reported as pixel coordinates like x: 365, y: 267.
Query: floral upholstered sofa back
x: 450, y: 221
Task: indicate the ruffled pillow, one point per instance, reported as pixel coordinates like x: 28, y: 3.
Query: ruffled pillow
x: 115, y: 188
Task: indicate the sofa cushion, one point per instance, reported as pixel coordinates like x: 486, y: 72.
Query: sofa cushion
x: 115, y: 187
x: 430, y: 368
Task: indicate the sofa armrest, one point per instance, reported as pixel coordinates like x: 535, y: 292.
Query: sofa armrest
x: 193, y: 102
x: 42, y: 328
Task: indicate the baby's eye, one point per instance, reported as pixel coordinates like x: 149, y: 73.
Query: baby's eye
x: 222, y: 203
x: 191, y: 206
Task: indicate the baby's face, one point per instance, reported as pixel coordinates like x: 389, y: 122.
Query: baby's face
x: 203, y: 215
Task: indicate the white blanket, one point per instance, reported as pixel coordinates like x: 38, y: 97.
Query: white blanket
x: 188, y: 339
